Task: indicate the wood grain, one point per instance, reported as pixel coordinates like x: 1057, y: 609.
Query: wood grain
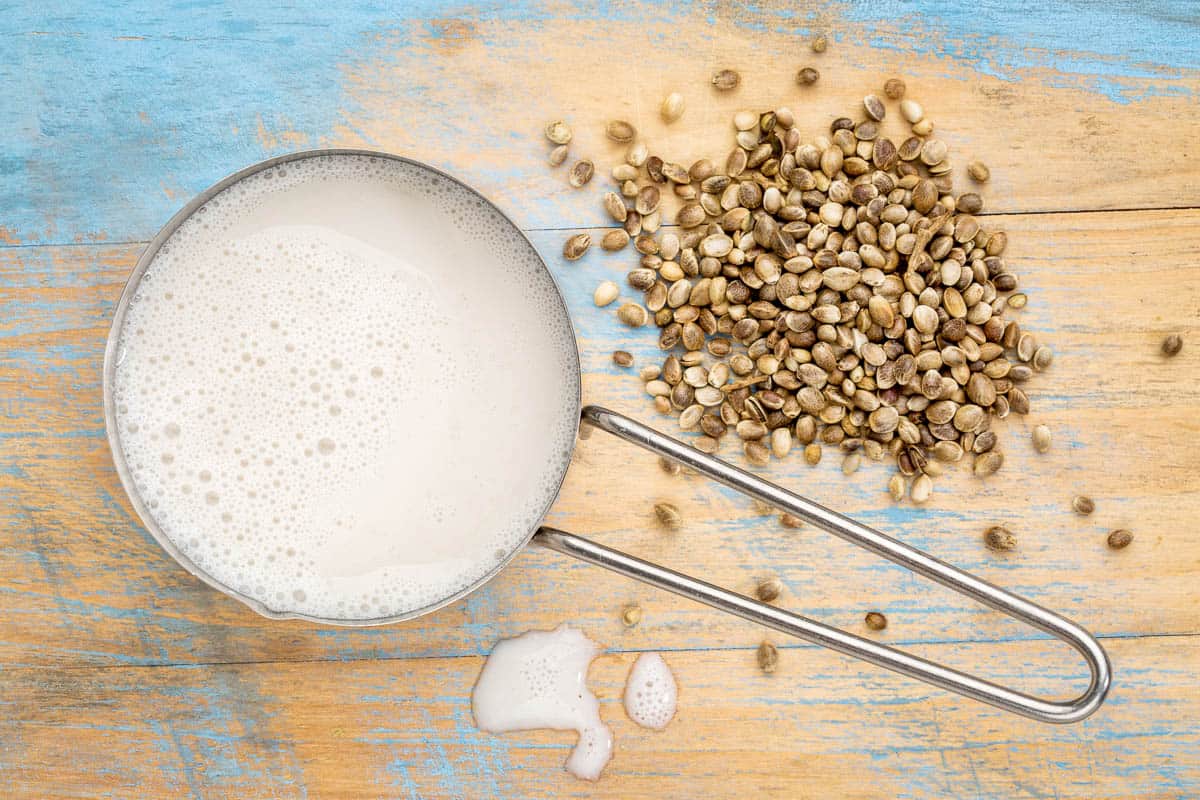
x: 819, y: 727
x: 122, y: 676
x: 113, y: 596
x: 1090, y: 112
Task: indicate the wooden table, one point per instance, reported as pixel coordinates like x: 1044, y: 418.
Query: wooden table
x: 122, y: 676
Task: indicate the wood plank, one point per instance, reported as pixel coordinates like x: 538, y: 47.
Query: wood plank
x: 82, y: 582
x: 817, y: 728
x: 123, y: 116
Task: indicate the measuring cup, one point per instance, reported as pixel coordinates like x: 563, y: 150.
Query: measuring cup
x: 1057, y: 711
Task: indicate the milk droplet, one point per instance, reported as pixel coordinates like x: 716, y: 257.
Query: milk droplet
x: 539, y: 680
x: 650, y: 692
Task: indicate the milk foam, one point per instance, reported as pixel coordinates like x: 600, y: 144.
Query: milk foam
x: 650, y: 692
x: 346, y: 387
x: 539, y: 680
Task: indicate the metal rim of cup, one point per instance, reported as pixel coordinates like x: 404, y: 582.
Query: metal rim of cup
x: 112, y: 358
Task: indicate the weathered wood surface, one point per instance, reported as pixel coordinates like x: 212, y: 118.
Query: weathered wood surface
x: 122, y: 676
x: 819, y: 727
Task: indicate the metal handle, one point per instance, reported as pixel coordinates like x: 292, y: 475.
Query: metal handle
x: 824, y: 635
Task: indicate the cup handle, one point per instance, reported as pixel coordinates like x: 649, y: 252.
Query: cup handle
x: 818, y: 633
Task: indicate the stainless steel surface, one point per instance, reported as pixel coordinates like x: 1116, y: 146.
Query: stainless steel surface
x: 112, y: 357
x: 810, y: 630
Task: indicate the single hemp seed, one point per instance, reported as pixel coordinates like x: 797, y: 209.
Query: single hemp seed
x: 768, y: 589
x: 581, y: 173
x: 978, y: 171
x: 874, y: 107
x: 807, y: 76
x: 668, y: 516
x: 558, y: 155
x: 620, y: 131
x: 1172, y: 345
x: 1041, y: 438
x: 1120, y: 539
x: 622, y: 358
x: 605, y: 293
x: 558, y: 132
x: 768, y: 657
x: 894, y: 88
x: 999, y: 538
x: 1083, y: 505
x: 725, y: 80
x: 672, y: 107
x: 819, y: 44
x: 668, y: 466
x: 631, y: 615
x: 875, y: 620
x: 632, y: 315
x: 576, y: 246
x: 790, y: 521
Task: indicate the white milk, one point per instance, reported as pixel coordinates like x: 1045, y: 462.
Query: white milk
x: 346, y: 388
x: 539, y: 680
x: 650, y: 692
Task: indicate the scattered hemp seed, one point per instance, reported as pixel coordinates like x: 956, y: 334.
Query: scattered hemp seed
x: 874, y: 107
x: 922, y: 489
x: 726, y: 79
x: 1041, y: 438
x: 615, y: 206
x: 558, y: 155
x: 757, y: 453
x: 1120, y: 539
x: 988, y: 463
x: 999, y: 538
x: 576, y: 246
x: 622, y: 358
x: 790, y: 521
x: 875, y: 620
x: 668, y: 466
x: 912, y: 111
x: 614, y: 240
x: 620, y: 131
x: 1083, y: 505
x: 668, y: 516
x: 631, y: 615
x: 672, y: 107
x: 632, y: 315
x: 894, y: 88
x: 897, y: 487
x: 978, y: 171
x: 768, y: 657
x: 558, y: 132
x: 820, y: 44
x: 807, y: 76
x: 581, y: 173
x: 1172, y: 345
x: 605, y: 294
x: 768, y: 589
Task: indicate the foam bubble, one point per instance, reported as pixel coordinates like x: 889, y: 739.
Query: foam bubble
x: 392, y: 404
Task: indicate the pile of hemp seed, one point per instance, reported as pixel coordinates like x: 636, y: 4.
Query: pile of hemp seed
x: 834, y: 294
x: 837, y: 293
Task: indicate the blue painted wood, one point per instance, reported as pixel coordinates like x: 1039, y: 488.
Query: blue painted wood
x: 111, y: 117
x: 128, y: 110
